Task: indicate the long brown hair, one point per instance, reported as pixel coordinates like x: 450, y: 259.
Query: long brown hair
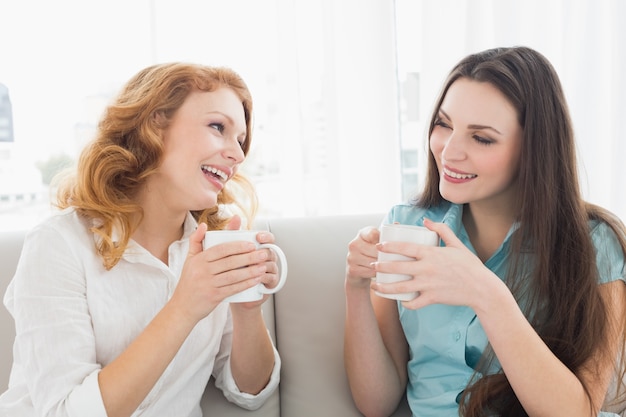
x: 128, y: 148
x: 559, y: 288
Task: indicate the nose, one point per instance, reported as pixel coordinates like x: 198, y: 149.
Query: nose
x: 453, y: 147
x: 234, y: 151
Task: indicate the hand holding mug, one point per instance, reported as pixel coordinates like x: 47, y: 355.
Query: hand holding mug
x: 402, y: 233
x: 256, y: 292
x: 362, y: 253
x: 451, y: 274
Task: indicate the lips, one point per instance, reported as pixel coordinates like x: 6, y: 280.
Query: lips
x: 458, y: 175
x: 215, y: 172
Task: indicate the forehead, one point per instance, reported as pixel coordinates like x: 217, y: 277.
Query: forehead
x: 475, y: 102
x: 223, y: 100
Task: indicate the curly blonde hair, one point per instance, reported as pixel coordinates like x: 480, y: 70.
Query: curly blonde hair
x: 128, y: 148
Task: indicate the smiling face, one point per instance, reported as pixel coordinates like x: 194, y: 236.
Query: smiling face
x: 476, y: 142
x: 202, y: 150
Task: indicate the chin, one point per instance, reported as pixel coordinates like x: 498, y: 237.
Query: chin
x: 453, y: 197
x: 205, y: 204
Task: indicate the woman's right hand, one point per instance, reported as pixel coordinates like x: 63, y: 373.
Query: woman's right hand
x: 211, y: 275
x: 361, y: 253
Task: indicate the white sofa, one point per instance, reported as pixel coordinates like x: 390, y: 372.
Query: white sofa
x: 306, y: 319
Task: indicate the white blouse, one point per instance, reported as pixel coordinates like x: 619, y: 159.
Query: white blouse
x: 73, y: 317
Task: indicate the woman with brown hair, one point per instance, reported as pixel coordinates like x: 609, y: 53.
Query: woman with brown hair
x: 521, y: 309
x: 117, y: 307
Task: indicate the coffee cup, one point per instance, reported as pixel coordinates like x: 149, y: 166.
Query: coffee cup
x: 255, y: 293
x: 402, y: 233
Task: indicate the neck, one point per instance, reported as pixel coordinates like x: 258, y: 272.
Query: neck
x: 156, y: 236
x: 160, y: 226
x: 486, y: 229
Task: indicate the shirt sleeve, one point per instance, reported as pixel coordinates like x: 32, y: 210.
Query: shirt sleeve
x: 609, y: 254
x: 55, y: 344
x: 225, y: 381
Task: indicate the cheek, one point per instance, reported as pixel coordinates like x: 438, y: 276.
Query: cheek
x: 502, y: 169
x: 436, y: 144
x: 512, y: 162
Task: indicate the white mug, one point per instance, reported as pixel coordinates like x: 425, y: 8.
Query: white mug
x: 402, y: 233
x: 255, y: 293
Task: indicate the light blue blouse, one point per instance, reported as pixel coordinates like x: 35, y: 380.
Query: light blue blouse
x: 445, y: 341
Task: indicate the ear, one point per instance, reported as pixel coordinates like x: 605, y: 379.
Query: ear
x: 159, y: 120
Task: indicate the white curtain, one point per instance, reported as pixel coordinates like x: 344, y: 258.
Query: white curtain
x: 336, y: 112
x: 584, y: 40
x: 322, y: 74
x: 342, y: 89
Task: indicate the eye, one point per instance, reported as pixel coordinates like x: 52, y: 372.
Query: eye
x: 217, y: 126
x: 242, y: 142
x: 481, y: 140
x: 441, y: 123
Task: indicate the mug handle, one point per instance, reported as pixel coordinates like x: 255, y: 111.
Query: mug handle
x: 283, y: 269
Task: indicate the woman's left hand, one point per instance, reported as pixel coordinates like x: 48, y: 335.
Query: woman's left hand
x: 271, y: 277
x: 449, y: 274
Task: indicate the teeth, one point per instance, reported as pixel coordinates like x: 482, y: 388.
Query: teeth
x: 215, y: 171
x: 457, y: 175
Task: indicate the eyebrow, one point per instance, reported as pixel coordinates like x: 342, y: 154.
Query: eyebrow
x: 219, y: 112
x: 228, y: 118
x: 473, y: 126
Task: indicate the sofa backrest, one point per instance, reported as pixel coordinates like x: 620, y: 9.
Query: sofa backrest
x: 310, y: 311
